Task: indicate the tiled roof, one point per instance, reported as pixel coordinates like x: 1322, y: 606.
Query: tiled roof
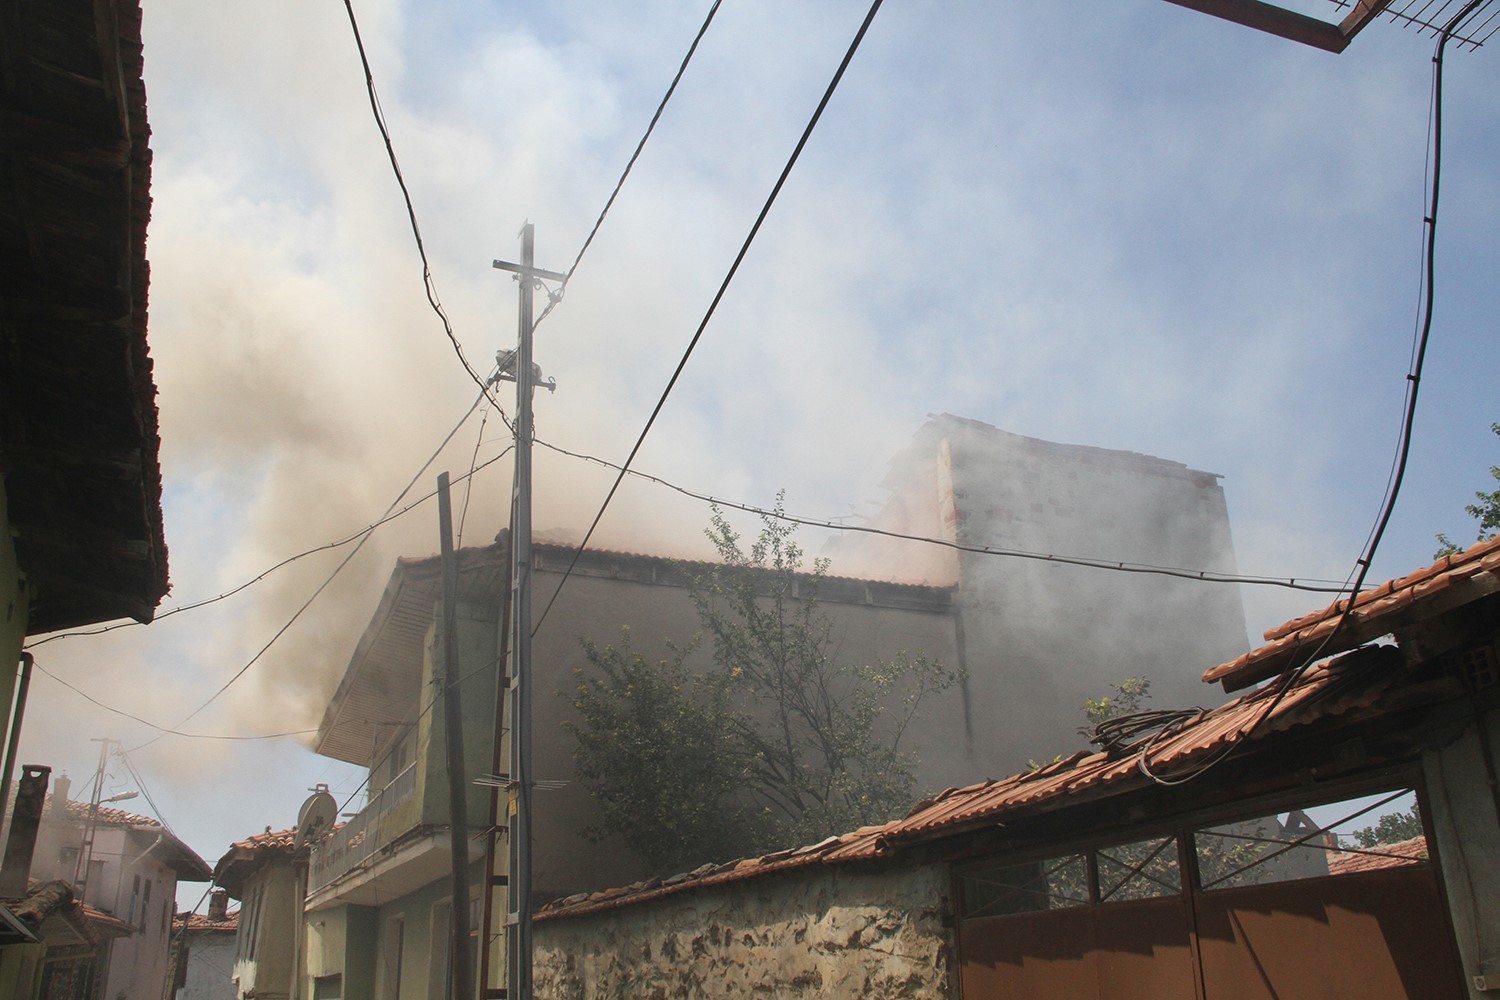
x: 270, y: 840
x: 1395, y: 603
x: 198, y: 923
x: 1380, y: 856
x: 108, y: 815
x: 1352, y: 684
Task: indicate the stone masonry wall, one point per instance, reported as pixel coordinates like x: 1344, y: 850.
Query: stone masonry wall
x: 810, y: 932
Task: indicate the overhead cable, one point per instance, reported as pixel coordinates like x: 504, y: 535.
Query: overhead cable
x: 555, y: 297
x: 1290, y: 678
x: 1207, y: 576
x: 411, y: 212
x: 718, y: 296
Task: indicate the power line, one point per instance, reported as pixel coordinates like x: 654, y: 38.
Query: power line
x: 718, y: 296
x: 1207, y: 576
x: 553, y: 298
x: 411, y: 212
x: 1290, y: 678
x: 152, y: 725
x: 390, y: 515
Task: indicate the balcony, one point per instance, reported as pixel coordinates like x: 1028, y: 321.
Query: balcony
x: 353, y: 843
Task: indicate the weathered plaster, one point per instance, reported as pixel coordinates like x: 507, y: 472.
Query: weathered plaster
x: 836, y: 932
x: 1467, y: 829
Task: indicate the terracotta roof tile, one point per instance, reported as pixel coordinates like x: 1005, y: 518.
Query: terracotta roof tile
x: 1397, y: 855
x: 1353, y: 682
x: 197, y: 922
x: 1376, y: 612
x: 108, y: 815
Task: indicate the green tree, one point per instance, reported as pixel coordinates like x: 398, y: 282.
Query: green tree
x: 654, y: 750
x: 1392, y: 828
x: 1486, y: 512
x: 1128, y: 696
x: 777, y: 744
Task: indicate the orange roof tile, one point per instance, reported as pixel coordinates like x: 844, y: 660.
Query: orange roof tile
x: 1376, y: 613
x: 1352, y: 683
x: 1380, y: 856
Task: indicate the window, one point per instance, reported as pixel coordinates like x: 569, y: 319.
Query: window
x: 328, y: 988
x: 440, y: 952
x: 135, y: 899
x: 391, y: 960
x: 94, y: 890
x: 1027, y: 888
x: 1339, y: 838
x: 1145, y: 869
x: 145, y: 904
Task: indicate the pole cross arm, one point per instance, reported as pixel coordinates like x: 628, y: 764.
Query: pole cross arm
x: 535, y: 272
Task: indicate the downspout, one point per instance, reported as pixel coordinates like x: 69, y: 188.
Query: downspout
x: 16, y: 715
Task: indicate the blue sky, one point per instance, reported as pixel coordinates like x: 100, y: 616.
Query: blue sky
x: 1146, y: 229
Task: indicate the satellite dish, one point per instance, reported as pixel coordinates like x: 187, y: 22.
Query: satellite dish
x: 316, y: 816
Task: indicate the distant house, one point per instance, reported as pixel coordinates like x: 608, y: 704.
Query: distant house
x: 267, y: 873
x: 1208, y: 855
x: 130, y: 872
x: 201, y: 960
x: 51, y: 945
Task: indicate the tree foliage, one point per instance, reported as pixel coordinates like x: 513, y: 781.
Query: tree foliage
x: 1486, y: 512
x: 1128, y: 696
x: 778, y: 743
x: 1392, y: 828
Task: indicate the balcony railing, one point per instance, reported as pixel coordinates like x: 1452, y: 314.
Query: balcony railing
x: 357, y: 839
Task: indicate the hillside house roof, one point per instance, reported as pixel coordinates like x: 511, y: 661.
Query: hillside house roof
x: 79, y: 442
x: 245, y: 856
x: 1373, y: 690
x: 172, y: 852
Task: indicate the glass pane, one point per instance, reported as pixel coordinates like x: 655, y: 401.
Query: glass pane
x: 1142, y: 870
x: 1330, y: 839
x: 1027, y: 888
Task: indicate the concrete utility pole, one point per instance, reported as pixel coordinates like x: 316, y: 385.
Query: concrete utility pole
x: 518, y: 365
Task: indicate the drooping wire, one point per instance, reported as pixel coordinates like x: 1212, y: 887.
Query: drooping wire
x: 1313, y: 585
x: 1290, y: 678
x: 391, y: 514
x: 718, y: 296
x: 151, y: 725
x: 554, y: 297
x: 411, y: 212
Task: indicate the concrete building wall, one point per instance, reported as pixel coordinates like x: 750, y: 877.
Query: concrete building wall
x: 341, y: 950
x: 265, y: 959
x: 210, y: 964
x: 412, y: 943
x: 596, y: 609
x: 1041, y: 637
x: 1465, y: 822
x: 836, y: 932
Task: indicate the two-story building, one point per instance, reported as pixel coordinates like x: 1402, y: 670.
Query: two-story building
x: 130, y: 872
x: 378, y: 892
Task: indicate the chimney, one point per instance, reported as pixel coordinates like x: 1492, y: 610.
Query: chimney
x: 60, y: 789
x: 218, y: 905
x: 31, y: 794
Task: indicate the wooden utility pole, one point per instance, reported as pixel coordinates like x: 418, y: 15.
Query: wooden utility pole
x: 458, y: 786
x: 518, y: 365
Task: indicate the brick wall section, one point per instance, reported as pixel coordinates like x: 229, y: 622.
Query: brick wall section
x: 839, y: 932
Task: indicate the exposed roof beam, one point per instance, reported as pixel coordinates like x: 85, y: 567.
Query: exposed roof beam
x: 1289, y: 24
